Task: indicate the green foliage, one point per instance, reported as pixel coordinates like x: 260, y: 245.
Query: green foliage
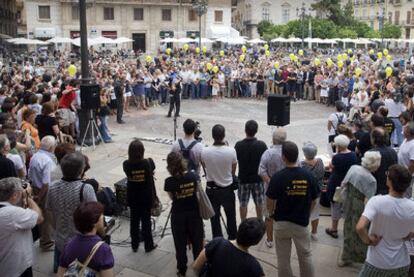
x: 346, y: 33
x: 330, y: 9
x: 372, y: 34
x: 391, y: 31
x: 361, y: 28
x: 263, y: 26
x: 323, y: 28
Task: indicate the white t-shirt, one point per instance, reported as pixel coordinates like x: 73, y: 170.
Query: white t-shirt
x: 218, y: 161
x: 394, y: 109
x: 334, y: 118
x: 406, y: 153
x: 17, y: 161
x: 391, y: 218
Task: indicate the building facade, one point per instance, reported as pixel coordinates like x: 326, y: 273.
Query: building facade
x: 399, y: 12
x: 249, y: 13
x: 8, y: 18
x: 144, y: 21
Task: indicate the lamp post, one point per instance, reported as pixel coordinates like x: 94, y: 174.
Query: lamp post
x: 381, y: 21
x: 301, y: 12
x: 84, y: 42
x: 200, y: 7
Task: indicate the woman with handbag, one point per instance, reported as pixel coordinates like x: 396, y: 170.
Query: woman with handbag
x: 86, y: 253
x: 186, y: 223
x: 140, y: 194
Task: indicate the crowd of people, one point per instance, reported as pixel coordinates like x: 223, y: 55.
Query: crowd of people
x: 45, y: 193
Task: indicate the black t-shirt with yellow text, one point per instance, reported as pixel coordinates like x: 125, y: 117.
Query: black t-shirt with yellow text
x: 139, y: 185
x: 183, y: 190
x: 293, y: 189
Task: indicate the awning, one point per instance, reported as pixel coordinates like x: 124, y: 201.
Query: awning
x: 218, y: 31
x: 44, y: 32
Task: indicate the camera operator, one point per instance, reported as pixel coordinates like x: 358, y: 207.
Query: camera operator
x: 189, y: 146
x: 19, y: 213
x: 395, y: 108
x: 220, y: 162
x: 175, y: 98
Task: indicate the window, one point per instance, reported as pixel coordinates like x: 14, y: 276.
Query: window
x: 138, y: 14
x: 285, y: 15
x: 192, y: 16
x: 218, y: 16
x: 44, y: 12
x: 75, y: 12
x: 408, y: 17
x: 109, y: 14
x: 390, y: 17
x: 166, y: 14
x: 265, y: 14
x: 397, y: 17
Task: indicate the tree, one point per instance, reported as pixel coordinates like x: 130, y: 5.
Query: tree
x: 346, y: 33
x: 391, y: 31
x: 372, y: 34
x: 263, y: 27
x: 361, y: 28
x: 328, y: 9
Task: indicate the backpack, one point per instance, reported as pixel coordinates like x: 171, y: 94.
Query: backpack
x: 340, y: 122
x: 77, y: 269
x: 186, y: 152
x: 108, y: 199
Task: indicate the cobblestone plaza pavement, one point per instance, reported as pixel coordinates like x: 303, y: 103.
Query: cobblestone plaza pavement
x: 308, y: 122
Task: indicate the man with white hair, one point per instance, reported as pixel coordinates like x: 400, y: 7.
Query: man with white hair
x: 6, y: 165
x: 270, y: 163
x: 16, y: 223
x: 41, y: 165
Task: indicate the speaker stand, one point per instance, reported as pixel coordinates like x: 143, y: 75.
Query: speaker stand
x: 94, y: 127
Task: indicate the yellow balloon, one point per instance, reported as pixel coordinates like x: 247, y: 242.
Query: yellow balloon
x: 339, y: 57
x: 148, y: 59
x: 388, y: 71
x: 168, y: 51
x: 221, y: 53
x: 242, y: 57
x: 244, y: 49
x: 276, y: 65
x: 389, y: 57
x: 185, y: 47
x: 209, y: 66
x: 340, y: 64
x: 292, y: 57
x: 267, y: 53
x: 317, y: 61
x: 358, y: 71
x: 344, y: 56
x: 215, y: 69
x: 385, y: 51
x: 349, y: 51
x: 295, y: 58
x: 204, y: 49
x: 197, y: 50
x: 300, y: 52
x: 379, y: 55
x: 371, y: 52
x: 266, y: 46
x: 329, y: 62
x: 72, y: 70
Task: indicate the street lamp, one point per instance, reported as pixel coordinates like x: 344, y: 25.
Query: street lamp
x: 381, y: 21
x: 301, y: 12
x: 200, y: 7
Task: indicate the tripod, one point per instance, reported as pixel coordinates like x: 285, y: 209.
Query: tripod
x: 94, y: 127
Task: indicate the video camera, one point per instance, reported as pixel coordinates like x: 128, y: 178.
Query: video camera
x: 198, y: 132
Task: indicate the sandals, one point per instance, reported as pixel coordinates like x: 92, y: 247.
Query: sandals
x: 331, y: 233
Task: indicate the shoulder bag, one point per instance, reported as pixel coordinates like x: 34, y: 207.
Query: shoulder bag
x: 204, y: 204
x: 77, y: 269
x: 156, y: 207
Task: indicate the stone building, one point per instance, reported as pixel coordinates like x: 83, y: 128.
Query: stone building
x: 249, y: 13
x: 144, y: 21
x: 8, y: 18
x: 399, y: 12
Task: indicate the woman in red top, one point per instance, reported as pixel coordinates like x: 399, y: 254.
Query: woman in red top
x: 66, y: 108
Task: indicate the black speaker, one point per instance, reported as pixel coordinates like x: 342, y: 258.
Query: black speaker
x: 278, y: 110
x: 90, y: 99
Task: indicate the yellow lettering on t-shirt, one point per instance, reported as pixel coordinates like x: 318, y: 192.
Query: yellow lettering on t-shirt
x: 298, y: 188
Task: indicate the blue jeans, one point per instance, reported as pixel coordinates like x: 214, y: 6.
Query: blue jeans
x: 397, y: 136
x: 148, y: 94
x: 163, y: 92
x: 56, y: 260
x: 103, y: 129
x: 203, y: 90
x: 195, y: 91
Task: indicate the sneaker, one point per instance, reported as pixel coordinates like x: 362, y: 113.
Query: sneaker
x: 314, y: 237
x: 269, y: 243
